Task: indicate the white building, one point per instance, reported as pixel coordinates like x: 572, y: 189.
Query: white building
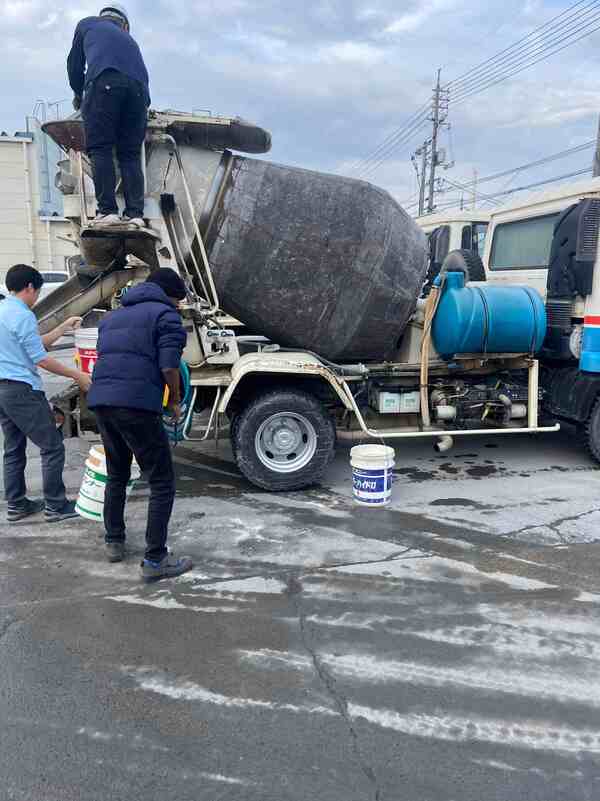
x: 32, y: 228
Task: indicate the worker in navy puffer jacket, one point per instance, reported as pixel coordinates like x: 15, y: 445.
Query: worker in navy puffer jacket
x: 139, y: 351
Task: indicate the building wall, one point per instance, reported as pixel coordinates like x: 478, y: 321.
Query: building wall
x: 25, y: 234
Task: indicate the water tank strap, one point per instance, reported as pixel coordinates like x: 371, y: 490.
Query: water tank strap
x: 486, y: 318
x: 536, y: 320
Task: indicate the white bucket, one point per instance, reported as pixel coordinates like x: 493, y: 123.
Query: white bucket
x: 86, y: 349
x: 90, y: 503
x: 372, y: 474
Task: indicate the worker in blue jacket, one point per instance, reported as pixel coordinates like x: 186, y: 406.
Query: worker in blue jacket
x: 113, y: 96
x: 139, y: 350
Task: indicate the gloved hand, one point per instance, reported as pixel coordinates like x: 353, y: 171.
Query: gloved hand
x: 77, y: 102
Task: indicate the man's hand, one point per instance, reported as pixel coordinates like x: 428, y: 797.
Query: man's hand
x: 72, y: 324
x: 84, y: 382
x: 175, y: 410
x: 77, y: 102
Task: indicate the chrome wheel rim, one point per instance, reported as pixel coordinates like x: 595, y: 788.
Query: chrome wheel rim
x: 286, y: 442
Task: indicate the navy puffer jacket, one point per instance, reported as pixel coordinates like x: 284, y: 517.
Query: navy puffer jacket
x: 135, y: 343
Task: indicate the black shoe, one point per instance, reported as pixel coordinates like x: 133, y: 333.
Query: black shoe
x: 115, y: 551
x: 66, y: 512
x: 25, y: 508
x: 169, y: 567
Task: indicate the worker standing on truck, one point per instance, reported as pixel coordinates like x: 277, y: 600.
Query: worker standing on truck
x: 113, y: 96
x: 24, y: 409
x: 139, y: 351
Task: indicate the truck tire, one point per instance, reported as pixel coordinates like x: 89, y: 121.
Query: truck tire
x: 467, y: 262
x: 283, y: 440
x: 591, y: 432
x: 464, y: 261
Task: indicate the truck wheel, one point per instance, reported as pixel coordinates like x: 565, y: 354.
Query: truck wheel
x: 467, y: 262
x: 592, y: 432
x: 284, y: 440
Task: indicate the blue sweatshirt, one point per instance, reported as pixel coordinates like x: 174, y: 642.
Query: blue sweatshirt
x: 102, y: 44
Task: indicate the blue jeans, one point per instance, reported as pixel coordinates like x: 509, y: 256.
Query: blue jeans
x: 26, y: 414
x: 115, y: 114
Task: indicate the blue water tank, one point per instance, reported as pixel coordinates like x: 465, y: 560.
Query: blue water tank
x: 488, y: 319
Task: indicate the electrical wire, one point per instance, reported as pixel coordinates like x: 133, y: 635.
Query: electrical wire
x: 562, y: 31
x: 558, y: 26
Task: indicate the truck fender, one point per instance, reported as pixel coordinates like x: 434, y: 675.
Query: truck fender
x: 299, y: 365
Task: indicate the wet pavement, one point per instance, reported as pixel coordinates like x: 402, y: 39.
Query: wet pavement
x: 446, y: 648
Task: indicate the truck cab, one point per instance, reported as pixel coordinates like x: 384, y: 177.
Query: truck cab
x: 549, y: 242
x: 454, y: 230
x: 519, y: 238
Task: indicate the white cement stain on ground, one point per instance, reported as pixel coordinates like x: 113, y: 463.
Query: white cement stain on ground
x: 190, y: 691
x: 257, y: 585
x: 420, y: 566
x: 481, y: 676
x: 169, y: 603
x: 217, y: 777
x: 536, y: 735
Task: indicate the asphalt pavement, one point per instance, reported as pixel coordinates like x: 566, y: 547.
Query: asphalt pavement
x: 445, y: 649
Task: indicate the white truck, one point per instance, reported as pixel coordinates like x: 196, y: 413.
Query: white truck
x: 304, y: 319
x: 455, y: 230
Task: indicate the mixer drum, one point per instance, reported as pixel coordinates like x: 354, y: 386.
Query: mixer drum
x: 316, y: 261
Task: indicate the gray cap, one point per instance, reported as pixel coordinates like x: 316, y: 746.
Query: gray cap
x: 115, y: 10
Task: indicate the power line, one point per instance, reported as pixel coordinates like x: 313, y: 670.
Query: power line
x: 585, y: 171
x: 540, y: 162
x: 508, y: 57
x: 394, y: 136
x: 562, y: 31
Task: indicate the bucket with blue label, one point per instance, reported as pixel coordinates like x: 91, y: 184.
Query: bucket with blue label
x: 372, y: 474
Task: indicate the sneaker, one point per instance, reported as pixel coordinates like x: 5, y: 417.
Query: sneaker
x: 25, y: 508
x: 102, y: 220
x: 115, y: 551
x: 67, y: 512
x: 137, y: 222
x: 169, y: 567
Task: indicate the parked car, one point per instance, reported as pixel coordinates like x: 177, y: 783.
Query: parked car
x: 52, y: 280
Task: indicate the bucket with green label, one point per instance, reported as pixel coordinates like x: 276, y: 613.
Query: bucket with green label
x: 90, y: 503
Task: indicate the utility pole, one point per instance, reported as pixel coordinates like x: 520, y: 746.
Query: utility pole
x: 475, y: 179
x: 439, y: 115
x: 596, y: 165
x: 423, y: 151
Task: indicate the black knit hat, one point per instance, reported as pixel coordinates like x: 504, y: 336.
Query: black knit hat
x: 169, y: 281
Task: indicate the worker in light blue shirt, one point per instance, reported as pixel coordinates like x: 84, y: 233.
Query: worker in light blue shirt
x: 24, y: 410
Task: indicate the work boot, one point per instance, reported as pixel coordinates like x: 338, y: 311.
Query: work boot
x: 25, y: 508
x: 66, y: 512
x: 115, y: 551
x: 169, y: 567
x: 138, y: 222
x: 105, y: 220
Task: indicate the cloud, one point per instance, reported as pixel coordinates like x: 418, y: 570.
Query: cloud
x: 421, y: 14
x: 331, y: 78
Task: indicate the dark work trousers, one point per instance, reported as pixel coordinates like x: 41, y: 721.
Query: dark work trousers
x: 131, y: 432
x: 115, y: 114
x: 25, y: 414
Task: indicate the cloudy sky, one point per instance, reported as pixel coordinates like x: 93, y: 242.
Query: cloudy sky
x: 332, y: 78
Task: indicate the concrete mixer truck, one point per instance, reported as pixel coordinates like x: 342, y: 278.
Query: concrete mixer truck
x: 306, y: 318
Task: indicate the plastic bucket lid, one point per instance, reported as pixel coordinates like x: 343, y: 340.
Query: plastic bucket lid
x: 372, y: 456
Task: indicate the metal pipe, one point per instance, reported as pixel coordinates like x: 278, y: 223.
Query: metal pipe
x: 210, y: 422
x: 50, y: 256
x: 215, y: 297
x: 29, y: 205
x: 391, y: 434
